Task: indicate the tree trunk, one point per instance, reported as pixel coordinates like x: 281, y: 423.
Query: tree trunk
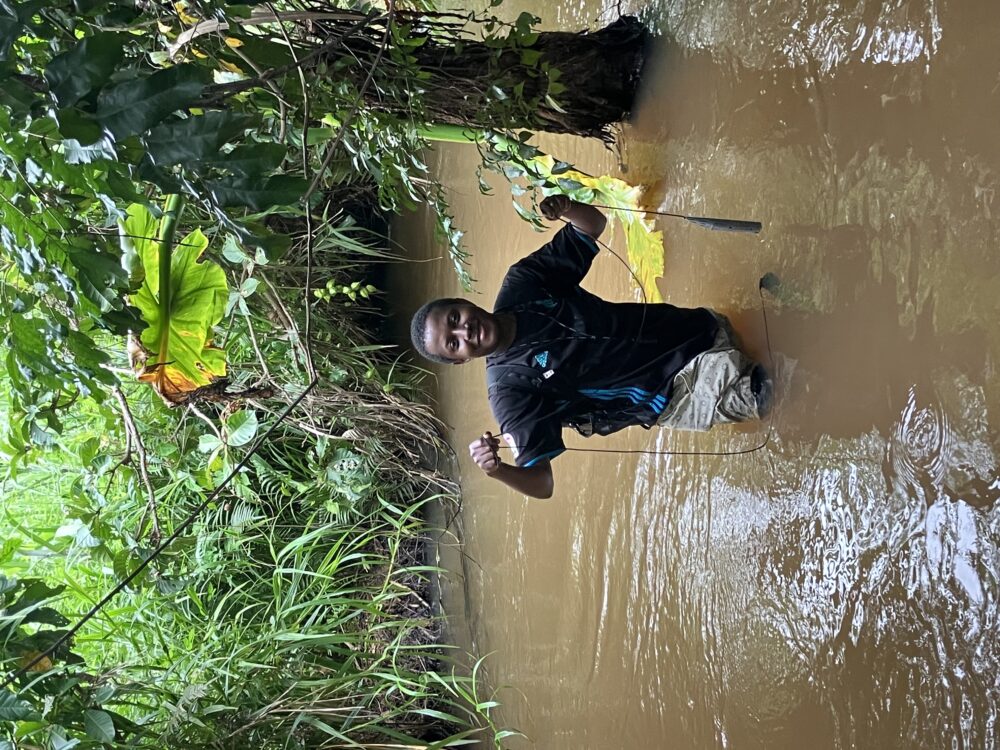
x: 599, y: 72
x: 579, y: 83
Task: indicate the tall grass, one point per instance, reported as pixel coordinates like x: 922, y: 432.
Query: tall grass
x: 297, y: 612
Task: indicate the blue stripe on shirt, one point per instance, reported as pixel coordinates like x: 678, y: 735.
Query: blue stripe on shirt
x: 657, y: 402
x: 550, y: 454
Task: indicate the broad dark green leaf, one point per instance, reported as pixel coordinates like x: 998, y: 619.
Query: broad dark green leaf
x: 265, y: 53
x: 100, y: 277
x: 98, y: 725
x: 136, y: 106
x: 76, y: 153
x: 250, y: 160
x: 85, y: 68
x: 78, y: 125
x: 122, y: 187
x: 90, y: 361
x: 241, y: 428
x: 569, y: 185
x: 258, y: 194
x: 13, y: 708
x: 10, y: 29
x: 195, y: 138
x: 42, y: 127
x: 36, y: 591
x: 160, y: 177
x: 47, y: 616
x: 13, y: 18
x: 16, y: 95
x: 121, y: 322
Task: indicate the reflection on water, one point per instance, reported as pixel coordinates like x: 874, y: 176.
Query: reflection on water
x: 839, y: 588
x: 822, y: 36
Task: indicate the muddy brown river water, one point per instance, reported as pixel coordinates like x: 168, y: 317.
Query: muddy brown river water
x: 839, y: 588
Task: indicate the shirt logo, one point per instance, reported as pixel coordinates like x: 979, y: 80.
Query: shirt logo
x: 542, y: 360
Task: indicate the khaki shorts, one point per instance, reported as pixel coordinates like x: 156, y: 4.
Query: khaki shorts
x: 714, y: 387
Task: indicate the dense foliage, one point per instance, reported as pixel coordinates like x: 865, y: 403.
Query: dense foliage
x: 270, y: 140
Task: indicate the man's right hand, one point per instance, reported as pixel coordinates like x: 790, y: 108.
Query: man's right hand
x: 585, y: 218
x: 486, y: 453
x: 554, y: 206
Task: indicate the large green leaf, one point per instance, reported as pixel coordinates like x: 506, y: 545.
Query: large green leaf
x: 15, y: 94
x: 98, y: 725
x: 250, y: 160
x: 241, y: 428
x: 13, y: 18
x: 86, y: 67
x: 136, y: 106
x: 137, y: 234
x: 10, y: 27
x: 99, y: 275
x: 13, y: 708
x: 194, y: 139
x: 78, y: 125
x: 179, y: 356
x: 258, y: 194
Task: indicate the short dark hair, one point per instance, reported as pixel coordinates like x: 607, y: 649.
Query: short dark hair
x: 418, y: 328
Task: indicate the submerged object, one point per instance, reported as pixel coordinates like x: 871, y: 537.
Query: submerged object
x: 726, y: 225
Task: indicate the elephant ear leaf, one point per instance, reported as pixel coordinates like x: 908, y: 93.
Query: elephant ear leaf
x: 176, y: 356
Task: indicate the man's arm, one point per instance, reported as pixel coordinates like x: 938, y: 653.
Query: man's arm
x: 586, y: 218
x: 534, y: 481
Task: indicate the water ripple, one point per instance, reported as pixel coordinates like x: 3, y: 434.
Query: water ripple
x: 918, y: 449
x: 819, y: 35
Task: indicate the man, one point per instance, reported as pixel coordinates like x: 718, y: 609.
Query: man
x: 557, y: 355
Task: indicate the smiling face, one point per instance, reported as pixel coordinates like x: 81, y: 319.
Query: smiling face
x: 460, y: 331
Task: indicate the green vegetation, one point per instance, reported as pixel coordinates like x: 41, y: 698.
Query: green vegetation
x: 291, y: 607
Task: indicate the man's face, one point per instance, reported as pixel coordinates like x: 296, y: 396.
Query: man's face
x: 460, y: 331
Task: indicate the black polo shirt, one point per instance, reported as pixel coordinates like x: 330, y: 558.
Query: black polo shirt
x: 614, y: 357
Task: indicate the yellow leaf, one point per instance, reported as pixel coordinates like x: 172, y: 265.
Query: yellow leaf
x: 230, y: 67
x: 233, y: 42
x: 546, y: 161
x: 181, y: 9
x: 42, y: 665
x: 645, y: 245
x: 173, y: 385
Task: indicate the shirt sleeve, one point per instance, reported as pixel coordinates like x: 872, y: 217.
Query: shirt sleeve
x: 529, y: 426
x: 561, y: 264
